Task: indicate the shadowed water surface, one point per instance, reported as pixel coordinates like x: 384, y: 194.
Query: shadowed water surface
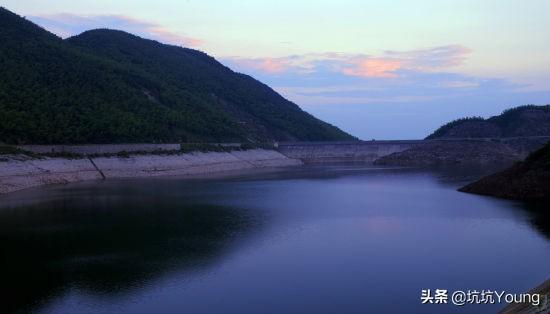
x: 330, y: 239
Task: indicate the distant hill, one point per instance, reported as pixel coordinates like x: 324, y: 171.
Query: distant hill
x: 501, y: 139
x: 527, y: 180
x: 107, y: 86
x: 521, y: 121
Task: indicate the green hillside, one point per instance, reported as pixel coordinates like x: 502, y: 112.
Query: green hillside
x: 521, y: 121
x: 107, y: 86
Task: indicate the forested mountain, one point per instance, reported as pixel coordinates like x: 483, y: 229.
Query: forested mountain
x: 521, y: 121
x: 107, y: 86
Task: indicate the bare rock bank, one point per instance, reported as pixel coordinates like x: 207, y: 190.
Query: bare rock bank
x: 528, y: 180
x: 471, y: 151
x: 19, y: 172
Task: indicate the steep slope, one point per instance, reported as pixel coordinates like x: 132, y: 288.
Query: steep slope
x: 527, y: 180
x: 256, y: 107
x: 517, y: 122
x: 110, y: 86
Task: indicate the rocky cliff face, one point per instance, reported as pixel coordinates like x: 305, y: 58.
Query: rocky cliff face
x: 528, y: 180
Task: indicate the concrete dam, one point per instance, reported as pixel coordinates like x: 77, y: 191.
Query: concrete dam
x: 449, y: 150
x: 430, y: 151
x: 353, y: 151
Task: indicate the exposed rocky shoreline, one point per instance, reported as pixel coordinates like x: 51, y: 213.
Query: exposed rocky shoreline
x: 528, y: 180
x: 471, y: 151
x: 18, y: 172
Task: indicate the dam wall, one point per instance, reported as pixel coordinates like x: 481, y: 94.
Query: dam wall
x: 415, y: 152
x: 356, y: 151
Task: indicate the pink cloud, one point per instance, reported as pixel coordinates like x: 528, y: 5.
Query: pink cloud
x: 386, y: 65
x: 373, y: 67
x: 431, y: 59
x: 268, y: 65
x: 66, y: 25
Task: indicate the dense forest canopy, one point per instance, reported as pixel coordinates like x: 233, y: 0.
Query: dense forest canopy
x: 107, y: 86
x: 529, y: 120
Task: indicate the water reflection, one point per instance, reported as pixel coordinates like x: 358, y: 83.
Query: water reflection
x: 539, y: 216
x: 535, y: 213
x: 108, y: 245
x: 319, y: 239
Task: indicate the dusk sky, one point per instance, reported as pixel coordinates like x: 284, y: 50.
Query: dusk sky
x: 377, y: 69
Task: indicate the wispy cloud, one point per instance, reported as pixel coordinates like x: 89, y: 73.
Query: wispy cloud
x: 372, y: 67
x: 66, y: 25
x: 268, y: 65
x: 430, y: 59
x: 420, y: 75
x: 386, y: 65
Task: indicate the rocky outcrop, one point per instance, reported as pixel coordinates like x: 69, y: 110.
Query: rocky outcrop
x: 528, y: 180
x: 19, y: 172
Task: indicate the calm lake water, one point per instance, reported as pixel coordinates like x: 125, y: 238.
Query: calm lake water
x: 330, y: 239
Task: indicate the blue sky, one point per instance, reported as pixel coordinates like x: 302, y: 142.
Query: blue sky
x: 378, y: 69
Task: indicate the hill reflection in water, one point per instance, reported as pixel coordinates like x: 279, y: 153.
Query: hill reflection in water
x: 108, y: 244
x: 316, y: 239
